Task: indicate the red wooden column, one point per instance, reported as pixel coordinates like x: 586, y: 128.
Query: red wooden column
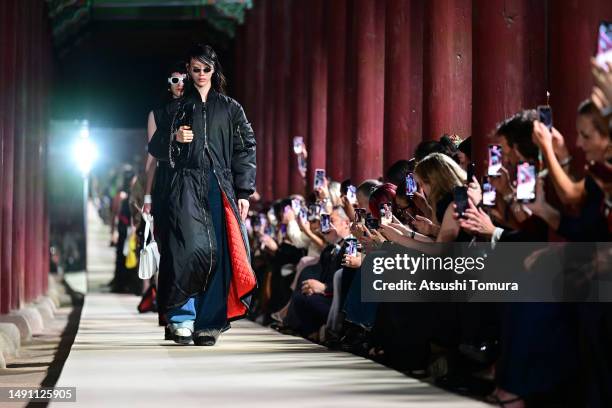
x: 5, y: 284
x: 350, y: 96
x: 47, y: 77
x: 381, y: 10
x: 238, y: 82
x: 19, y: 175
x: 570, y: 49
x: 367, y: 148
x: 259, y: 64
x: 448, y: 68
x: 281, y: 116
x: 29, y: 135
x: 507, y: 78
x: 298, y: 92
x: 9, y: 68
x: 403, y: 79
x: 40, y: 270
x: 317, y: 141
x: 3, y: 47
x: 270, y: 75
x: 250, y: 48
x: 339, y: 139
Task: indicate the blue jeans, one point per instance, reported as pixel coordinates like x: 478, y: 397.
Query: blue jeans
x: 208, y: 310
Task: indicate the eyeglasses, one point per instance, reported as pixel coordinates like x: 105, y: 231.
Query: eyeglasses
x: 175, y: 80
x: 197, y: 70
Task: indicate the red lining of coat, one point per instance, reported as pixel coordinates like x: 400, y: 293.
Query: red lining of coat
x: 243, y: 280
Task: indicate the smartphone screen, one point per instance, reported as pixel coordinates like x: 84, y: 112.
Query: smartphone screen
x: 525, y: 182
x: 351, y: 247
x: 386, y: 215
x: 604, y: 44
x: 471, y: 170
x: 351, y: 194
x: 298, y: 142
x: 545, y: 116
x: 319, y: 178
x: 303, y: 214
x: 495, y: 160
x: 411, y: 185
x: 325, y: 223
x: 269, y: 230
x: 314, y: 210
x: 360, y: 215
x: 372, y: 223
x: 296, y: 205
x: 283, y: 230
x: 461, y: 199
x: 302, y: 165
x: 488, y: 193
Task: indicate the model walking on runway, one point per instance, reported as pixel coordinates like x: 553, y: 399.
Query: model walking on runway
x: 210, y: 146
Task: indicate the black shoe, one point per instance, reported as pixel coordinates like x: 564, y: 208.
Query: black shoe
x: 168, y: 333
x: 182, y: 336
x: 206, y: 337
x: 485, y: 353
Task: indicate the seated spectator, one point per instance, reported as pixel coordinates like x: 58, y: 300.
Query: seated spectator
x: 311, y: 300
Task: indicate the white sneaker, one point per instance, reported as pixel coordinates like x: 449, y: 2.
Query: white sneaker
x: 183, y: 335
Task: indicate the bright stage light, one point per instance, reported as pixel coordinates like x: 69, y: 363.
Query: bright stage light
x: 85, y: 151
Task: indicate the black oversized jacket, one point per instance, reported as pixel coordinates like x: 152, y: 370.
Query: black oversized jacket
x: 223, y: 144
x: 228, y: 135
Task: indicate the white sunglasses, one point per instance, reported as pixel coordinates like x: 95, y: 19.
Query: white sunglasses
x: 175, y: 80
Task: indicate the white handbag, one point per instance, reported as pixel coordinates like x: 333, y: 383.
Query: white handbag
x: 149, y: 254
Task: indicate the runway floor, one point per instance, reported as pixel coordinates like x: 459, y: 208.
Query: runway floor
x: 119, y: 358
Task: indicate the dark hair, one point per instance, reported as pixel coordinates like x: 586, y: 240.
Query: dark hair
x: 176, y: 67
x: 465, y: 147
x: 384, y: 193
x: 426, y: 147
x: 206, y: 55
x: 518, y: 130
x: 587, y: 107
x: 397, y: 172
x: 179, y: 67
x: 367, y: 187
x: 449, y: 147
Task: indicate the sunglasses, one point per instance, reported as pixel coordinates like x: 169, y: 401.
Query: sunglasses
x: 176, y: 80
x: 197, y: 70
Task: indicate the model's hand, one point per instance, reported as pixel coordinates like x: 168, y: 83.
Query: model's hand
x: 184, y: 135
x: 146, y: 209
x: 243, y: 207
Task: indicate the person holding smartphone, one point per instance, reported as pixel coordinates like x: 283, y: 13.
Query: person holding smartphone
x: 311, y: 299
x: 594, y: 140
x: 438, y: 175
x: 214, y: 164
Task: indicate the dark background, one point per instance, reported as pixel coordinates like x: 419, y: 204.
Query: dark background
x: 115, y: 73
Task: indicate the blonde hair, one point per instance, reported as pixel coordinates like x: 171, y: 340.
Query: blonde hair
x: 442, y: 174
